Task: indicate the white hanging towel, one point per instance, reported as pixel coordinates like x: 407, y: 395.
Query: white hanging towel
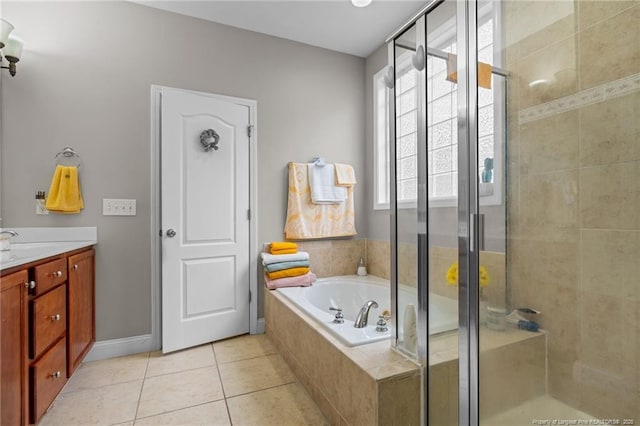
x: 322, y: 182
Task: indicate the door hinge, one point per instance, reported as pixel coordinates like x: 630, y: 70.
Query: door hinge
x: 249, y: 214
x: 249, y: 296
x: 250, y: 130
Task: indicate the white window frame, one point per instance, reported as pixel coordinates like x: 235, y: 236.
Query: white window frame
x: 381, y: 142
x: 381, y: 180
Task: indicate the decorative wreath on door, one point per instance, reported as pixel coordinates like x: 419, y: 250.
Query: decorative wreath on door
x: 209, y: 139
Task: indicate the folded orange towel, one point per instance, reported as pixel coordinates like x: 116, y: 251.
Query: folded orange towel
x: 283, y: 247
x: 284, y: 251
x: 292, y: 272
x: 484, y: 71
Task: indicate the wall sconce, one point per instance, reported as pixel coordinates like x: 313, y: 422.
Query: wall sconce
x: 11, y: 46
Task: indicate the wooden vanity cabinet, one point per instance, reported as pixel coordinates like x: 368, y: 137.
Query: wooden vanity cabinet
x: 81, y: 330
x: 13, y: 349
x: 48, y: 326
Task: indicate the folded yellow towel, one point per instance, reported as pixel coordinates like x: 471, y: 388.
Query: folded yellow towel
x: 291, y: 272
x: 484, y: 71
x: 345, y: 175
x: 64, y: 191
x: 283, y: 247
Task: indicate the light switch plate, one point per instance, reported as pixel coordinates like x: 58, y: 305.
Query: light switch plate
x: 118, y: 207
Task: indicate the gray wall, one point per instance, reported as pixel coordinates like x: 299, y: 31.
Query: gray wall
x: 84, y: 81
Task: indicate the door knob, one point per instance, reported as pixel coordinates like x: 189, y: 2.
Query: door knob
x: 171, y: 233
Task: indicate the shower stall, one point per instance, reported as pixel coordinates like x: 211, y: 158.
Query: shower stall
x: 514, y: 164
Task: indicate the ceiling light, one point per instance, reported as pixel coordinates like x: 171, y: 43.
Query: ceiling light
x: 361, y: 3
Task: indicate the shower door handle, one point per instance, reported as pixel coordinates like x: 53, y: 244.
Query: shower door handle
x: 476, y: 222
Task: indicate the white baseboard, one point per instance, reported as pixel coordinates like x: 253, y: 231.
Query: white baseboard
x: 260, y: 326
x: 134, y: 345
x: 121, y: 347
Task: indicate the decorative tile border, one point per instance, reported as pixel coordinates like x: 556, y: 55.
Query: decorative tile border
x: 601, y: 93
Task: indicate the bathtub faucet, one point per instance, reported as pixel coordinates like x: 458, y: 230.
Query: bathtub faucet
x: 363, y: 315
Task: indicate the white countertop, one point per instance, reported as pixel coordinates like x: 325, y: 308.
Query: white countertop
x: 33, y: 244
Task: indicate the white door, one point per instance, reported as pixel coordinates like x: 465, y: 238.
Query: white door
x: 205, y: 223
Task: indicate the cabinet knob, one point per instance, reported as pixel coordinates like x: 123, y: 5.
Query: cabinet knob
x: 30, y: 285
x: 55, y: 317
x: 57, y: 274
x: 75, y: 267
x: 56, y: 374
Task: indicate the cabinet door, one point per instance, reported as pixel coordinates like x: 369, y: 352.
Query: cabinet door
x: 80, y: 308
x: 13, y: 349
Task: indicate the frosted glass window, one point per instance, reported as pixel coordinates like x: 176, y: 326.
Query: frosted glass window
x: 442, y: 160
x: 408, y: 190
x: 407, y: 146
x: 408, y: 102
x: 441, y: 109
x: 442, y: 126
x: 442, y: 134
x: 443, y: 186
x: 486, y: 55
x: 407, y: 168
x: 485, y: 97
x: 441, y: 86
x: 485, y: 121
x: 485, y: 34
x: 407, y: 124
x: 407, y: 81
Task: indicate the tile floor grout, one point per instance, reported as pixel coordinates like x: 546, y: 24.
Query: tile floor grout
x: 267, y: 380
x: 224, y: 395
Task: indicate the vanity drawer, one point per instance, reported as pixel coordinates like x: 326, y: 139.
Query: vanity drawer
x: 50, y: 275
x: 48, y: 376
x: 48, y: 319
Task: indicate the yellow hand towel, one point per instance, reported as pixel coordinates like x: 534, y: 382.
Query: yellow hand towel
x: 345, y: 175
x: 484, y: 71
x: 64, y: 191
x: 283, y: 247
x: 291, y: 272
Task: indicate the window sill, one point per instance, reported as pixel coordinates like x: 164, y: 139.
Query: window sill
x: 486, y: 191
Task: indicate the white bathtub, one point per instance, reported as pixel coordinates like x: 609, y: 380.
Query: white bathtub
x: 350, y: 292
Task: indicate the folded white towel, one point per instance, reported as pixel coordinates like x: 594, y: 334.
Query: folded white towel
x: 322, y: 182
x: 268, y: 258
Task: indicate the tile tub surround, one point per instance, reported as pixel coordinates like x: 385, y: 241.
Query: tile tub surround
x: 372, y: 384
x: 329, y: 258
x: 364, y: 385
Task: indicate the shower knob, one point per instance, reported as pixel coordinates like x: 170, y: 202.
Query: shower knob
x: 171, y: 233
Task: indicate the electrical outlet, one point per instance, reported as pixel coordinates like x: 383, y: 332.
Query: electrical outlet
x: 40, y: 208
x: 118, y: 207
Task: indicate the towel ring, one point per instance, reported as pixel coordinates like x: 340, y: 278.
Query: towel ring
x: 68, y: 154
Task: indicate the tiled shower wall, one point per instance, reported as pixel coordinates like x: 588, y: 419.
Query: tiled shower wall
x: 573, y: 207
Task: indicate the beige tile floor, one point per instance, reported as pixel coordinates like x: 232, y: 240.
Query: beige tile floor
x: 239, y: 381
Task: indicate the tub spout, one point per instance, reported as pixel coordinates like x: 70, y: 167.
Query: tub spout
x: 363, y: 315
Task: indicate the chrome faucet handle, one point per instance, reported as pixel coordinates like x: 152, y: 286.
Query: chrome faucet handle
x: 381, y: 325
x: 339, y: 319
